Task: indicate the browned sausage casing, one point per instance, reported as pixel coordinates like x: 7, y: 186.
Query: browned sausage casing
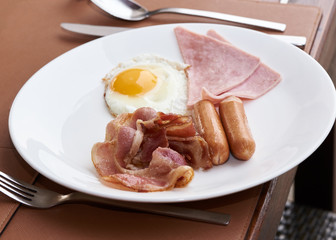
x: 238, y: 133
x: 209, y: 126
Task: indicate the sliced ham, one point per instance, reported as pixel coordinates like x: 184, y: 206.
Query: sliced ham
x: 260, y: 82
x: 215, y: 64
x: 212, y: 33
x: 139, y: 155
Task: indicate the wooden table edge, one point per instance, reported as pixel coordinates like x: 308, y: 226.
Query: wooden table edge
x: 270, y: 206
x: 277, y: 190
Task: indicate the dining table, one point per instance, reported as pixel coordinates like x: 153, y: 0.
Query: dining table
x: 31, y: 36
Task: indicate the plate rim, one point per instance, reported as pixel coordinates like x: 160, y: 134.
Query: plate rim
x: 26, y: 157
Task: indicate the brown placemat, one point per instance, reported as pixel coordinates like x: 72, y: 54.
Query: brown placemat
x: 31, y: 37
x: 78, y: 221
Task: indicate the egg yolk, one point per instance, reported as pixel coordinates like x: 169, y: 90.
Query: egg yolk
x: 134, y: 81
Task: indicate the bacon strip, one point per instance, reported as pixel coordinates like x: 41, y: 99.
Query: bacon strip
x: 194, y: 149
x: 166, y: 170
x: 139, y: 154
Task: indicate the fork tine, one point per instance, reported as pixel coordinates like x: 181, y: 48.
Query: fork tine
x: 16, y: 189
x: 22, y: 186
x: 14, y: 196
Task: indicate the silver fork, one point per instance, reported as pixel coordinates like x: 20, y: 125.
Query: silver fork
x: 33, y: 196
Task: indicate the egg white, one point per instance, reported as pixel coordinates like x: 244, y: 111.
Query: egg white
x: 169, y: 94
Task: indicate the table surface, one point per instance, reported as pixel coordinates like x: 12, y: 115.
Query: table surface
x: 275, y: 192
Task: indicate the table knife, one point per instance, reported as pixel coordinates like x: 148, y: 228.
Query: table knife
x: 100, y: 31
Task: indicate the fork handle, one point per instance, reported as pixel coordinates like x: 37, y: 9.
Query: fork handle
x: 156, y: 208
x: 222, y: 16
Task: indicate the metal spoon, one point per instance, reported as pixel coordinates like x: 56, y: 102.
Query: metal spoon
x: 132, y: 11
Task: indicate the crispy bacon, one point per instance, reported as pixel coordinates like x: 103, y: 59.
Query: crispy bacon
x: 149, y: 151
x: 166, y: 170
x: 194, y: 149
x: 177, y: 125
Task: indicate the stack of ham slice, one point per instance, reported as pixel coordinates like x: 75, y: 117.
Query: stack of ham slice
x: 139, y: 151
x: 218, y: 69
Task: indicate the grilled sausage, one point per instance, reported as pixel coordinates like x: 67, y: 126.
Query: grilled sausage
x: 238, y: 133
x: 209, y: 126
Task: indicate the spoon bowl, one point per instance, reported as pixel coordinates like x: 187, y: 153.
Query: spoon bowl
x: 126, y: 10
x: 132, y: 11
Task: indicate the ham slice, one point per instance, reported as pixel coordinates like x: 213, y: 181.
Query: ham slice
x: 139, y: 155
x: 214, y: 64
x: 215, y: 35
x: 260, y: 82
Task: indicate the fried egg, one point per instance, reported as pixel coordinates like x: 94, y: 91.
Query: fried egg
x: 147, y: 81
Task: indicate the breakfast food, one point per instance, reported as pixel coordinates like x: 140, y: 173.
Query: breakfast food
x: 242, y: 144
x: 260, y: 82
x: 214, y: 65
x: 148, y: 151
x: 209, y: 126
x: 167, y: 124
x: 146, y: 80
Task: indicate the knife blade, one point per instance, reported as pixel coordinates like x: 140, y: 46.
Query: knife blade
x: 100, y: 31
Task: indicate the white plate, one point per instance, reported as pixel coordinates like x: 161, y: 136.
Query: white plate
x: 60, y: 113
